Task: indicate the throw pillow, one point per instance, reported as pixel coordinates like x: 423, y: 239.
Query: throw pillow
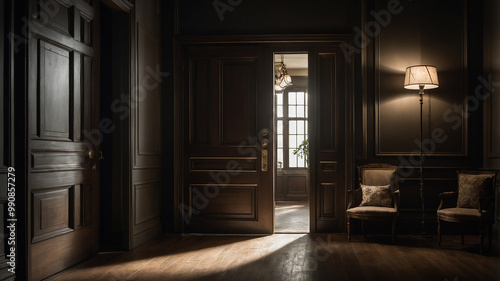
x: 470, y: 188
x: 376, y: 195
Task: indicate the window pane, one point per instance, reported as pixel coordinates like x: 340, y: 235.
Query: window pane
x: 300, y: 111
x: 292, y: 129
x: 300, y: 139
x: 280, y: 127
x: 292, y: 143
x: 280, y: 141
x: 279, y: 99
x: 292, y: 159
x: 300, y: 98
x: 301, y: 162
x: 279, y: 111
x: 291, y: 98
x: 292, y: 111
x: 301, y: 127
x: 280, y: 157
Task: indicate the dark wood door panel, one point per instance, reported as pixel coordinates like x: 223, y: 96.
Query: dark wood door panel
x: 63, y: 108
x: 237, y: 100
x: 331, y: 93
x: 228, y: 103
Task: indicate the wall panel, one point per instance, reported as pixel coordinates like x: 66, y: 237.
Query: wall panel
x: 146, y: 124
x: 397, y: 109
x: 492, y: 103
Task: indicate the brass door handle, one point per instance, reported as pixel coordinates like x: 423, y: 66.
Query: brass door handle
x: 264, y: 160
x: 264, y: 143
x: 91, y: 154
x: 100, y: 155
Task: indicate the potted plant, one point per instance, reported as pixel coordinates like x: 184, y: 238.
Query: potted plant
x: 303, y: 151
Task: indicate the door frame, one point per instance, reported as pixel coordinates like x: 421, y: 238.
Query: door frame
x: 276, y: 43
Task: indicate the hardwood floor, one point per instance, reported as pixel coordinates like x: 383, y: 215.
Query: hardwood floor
x: 293, y: 257
x: 291, y: 217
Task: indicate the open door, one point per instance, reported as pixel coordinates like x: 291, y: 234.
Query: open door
x: 63, y: 189
x: 331, y: 140
x: 224, y: 108
x: 228, y: 139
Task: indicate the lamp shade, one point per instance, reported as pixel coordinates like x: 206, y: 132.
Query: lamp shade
x: 421, y: 75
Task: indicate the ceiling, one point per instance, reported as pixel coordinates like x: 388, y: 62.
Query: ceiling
x: 293, y: 61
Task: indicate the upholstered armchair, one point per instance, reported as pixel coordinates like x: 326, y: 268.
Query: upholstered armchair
x: 379, y: 190
x: 475, y: 203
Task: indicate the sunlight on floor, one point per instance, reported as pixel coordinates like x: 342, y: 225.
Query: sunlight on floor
x: 291, y: 217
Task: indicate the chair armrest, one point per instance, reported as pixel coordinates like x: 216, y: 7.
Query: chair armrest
x: 396, y: 199
x: 355, y: 190
x: 448, y: 194
x: 485, y: 203
x: 351, y: 199
x: 444, y: 195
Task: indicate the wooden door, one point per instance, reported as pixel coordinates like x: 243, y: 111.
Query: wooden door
x: 64, y: 137
x: 228, y: 119
x: 331, y: 138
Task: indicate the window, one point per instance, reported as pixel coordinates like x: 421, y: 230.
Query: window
x: 291, y: 114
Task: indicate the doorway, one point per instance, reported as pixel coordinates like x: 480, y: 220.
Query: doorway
x: 292, y: 143
x: 225, y: 166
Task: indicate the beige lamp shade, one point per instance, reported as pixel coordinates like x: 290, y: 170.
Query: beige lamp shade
x: 421, y: 75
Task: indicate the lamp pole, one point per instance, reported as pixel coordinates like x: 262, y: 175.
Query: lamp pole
x: 421, y: 170
x: 420, y: 77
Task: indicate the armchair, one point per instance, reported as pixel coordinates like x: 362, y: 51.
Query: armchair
x: 475, y: 203
x: 379, y: 186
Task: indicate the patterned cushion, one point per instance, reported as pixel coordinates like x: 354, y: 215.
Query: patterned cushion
x: 376, y: 195
x: 471, y: 187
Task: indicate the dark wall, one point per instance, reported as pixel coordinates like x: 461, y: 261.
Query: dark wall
x: 492, y: 99
x: 168, y: 30
x: 6, y: 137
x: 388, y: 37
x: 443, y: 34
x: 222, y: 17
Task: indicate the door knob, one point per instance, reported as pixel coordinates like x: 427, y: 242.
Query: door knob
x: 264, y: 143
x: 264, y: 132
x: 91, y: 154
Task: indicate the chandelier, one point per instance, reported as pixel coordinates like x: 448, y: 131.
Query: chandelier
x: 282, y: 79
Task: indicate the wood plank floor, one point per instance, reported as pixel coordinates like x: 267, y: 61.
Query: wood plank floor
x: 293, y: 257
x: 291, y: 217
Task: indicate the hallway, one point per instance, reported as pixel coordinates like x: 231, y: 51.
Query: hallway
x: 291, y: 217
x: 292, y: 257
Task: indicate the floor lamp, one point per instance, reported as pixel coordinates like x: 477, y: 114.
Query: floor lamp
x: 421, y: 77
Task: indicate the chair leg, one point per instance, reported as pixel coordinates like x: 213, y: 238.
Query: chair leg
x: 439, y: 232
x: 462, y: 232
x: 481, y: 237
x: 394, y: 220
x: 349, y: 229
x: 363, y: 228
x: 490, y: 235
